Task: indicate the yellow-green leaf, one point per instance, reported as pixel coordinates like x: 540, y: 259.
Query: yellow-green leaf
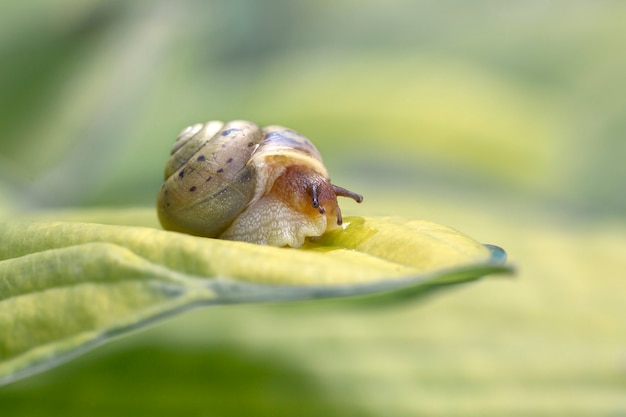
x: 66, y: 286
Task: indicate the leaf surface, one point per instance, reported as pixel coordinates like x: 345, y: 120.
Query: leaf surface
x: 67, y: 286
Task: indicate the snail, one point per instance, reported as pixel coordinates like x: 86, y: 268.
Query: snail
x: 238, y: 181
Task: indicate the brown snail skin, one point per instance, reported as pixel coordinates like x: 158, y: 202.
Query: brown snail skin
x: 238, y: 181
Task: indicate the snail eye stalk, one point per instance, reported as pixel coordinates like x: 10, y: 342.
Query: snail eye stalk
x: 342, y: 192
x: 315, y: 199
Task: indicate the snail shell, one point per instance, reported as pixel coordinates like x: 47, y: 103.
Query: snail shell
x: 238, y: 181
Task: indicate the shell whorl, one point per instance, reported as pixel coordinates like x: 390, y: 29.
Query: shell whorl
x: 208, y: 181
x: 188, y: 142
x: 282, y: 142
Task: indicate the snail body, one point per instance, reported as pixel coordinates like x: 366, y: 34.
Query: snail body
x: 238, y: 181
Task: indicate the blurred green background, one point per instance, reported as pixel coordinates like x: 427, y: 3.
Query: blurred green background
x: 503, y: 119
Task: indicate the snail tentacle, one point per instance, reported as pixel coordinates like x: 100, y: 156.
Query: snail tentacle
x: 342, y: 192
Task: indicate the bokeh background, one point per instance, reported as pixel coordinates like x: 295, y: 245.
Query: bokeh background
x: 506, y: 120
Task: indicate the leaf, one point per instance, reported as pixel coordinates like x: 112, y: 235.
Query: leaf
x: 65, y: 287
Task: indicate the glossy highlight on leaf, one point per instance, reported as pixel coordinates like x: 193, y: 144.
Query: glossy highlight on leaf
x: 67, y: 286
